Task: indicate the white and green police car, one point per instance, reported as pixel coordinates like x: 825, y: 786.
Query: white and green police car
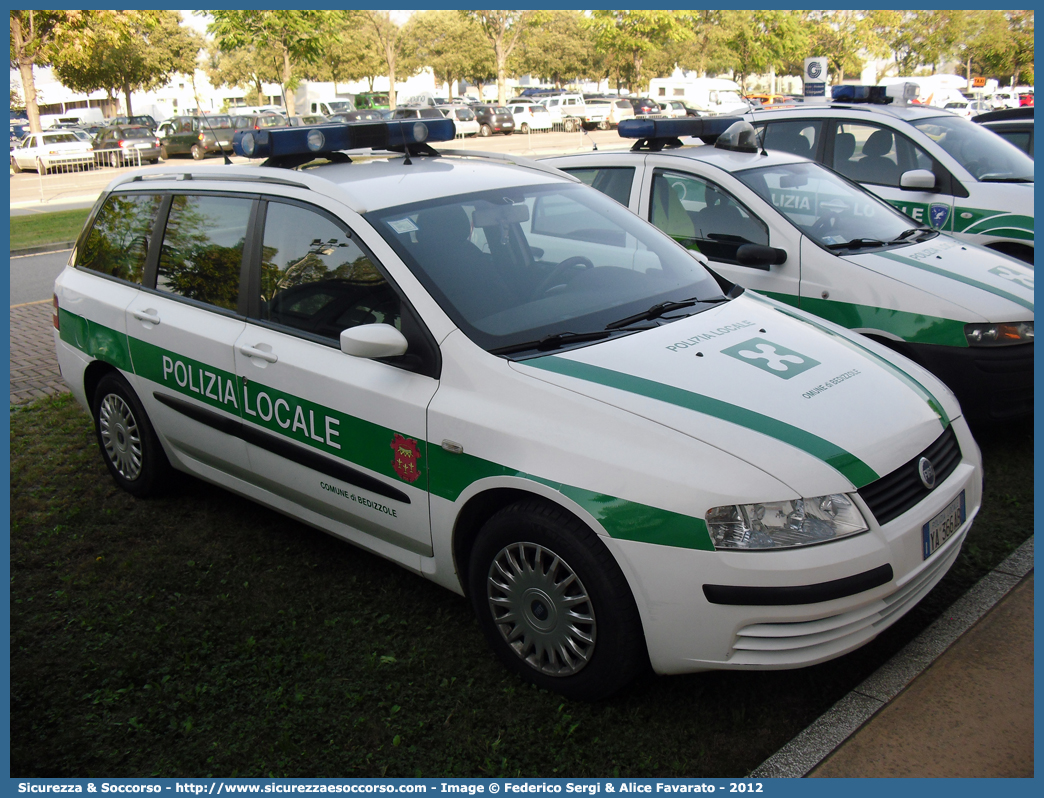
x: 941, y: 169
x: 507, y: 383
x: 802, y: 234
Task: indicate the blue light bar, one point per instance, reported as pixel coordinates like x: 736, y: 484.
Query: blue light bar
x: 707, y: 128
x: 859, y: 94
x: 277, y: 142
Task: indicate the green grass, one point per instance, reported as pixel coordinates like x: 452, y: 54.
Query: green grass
x: 47, y: 228
x: 200, y: 634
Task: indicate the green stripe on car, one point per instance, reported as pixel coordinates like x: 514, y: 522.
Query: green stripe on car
x: 855, y: 470
x: 1026, y: 303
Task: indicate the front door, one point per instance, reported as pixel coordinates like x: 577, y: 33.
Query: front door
x: 338, y: 436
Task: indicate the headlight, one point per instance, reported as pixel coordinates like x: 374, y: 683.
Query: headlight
x: 785, y: 524
x: 1016, y: 332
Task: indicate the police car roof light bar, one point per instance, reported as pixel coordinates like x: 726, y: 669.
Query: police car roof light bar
x: 706, y: 128
x: 295, y: 142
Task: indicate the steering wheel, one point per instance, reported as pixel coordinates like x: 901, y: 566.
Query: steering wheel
x: 826, y: 225
x: 551, y: 280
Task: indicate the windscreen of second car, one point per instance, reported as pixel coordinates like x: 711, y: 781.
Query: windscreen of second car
x: 830, y: 210
x: 516, y: 265
x: 988, y: 157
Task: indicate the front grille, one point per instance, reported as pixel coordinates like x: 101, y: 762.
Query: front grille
x: 895, y: 493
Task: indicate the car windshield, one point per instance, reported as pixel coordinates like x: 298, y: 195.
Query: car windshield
x: 217, y: 121
x: 515, y: 265
x: 465, y: 114
x: 833, y: 212
x: 340, y: 106
x: 985, y: 155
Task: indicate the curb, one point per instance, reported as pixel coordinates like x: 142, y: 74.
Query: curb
x: 59, y: 246
x: 798, y: 757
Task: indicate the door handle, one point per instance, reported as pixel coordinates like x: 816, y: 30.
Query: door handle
x: 151, y: 315
x: 250, y: 351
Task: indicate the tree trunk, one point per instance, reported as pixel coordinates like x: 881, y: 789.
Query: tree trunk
x: 25, y: 70
x: 291, y: 106
x: 127, y: 94
x: 390, y: 57
x: 501, y: 72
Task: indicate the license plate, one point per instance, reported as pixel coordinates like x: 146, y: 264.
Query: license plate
x: 941, y: 528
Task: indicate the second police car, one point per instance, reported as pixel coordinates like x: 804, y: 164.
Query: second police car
x: 509, y: 384
x: 804, y: 235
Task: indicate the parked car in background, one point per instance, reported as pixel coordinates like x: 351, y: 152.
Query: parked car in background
x: 673, y: 109
x: 417, y: 112
x: 967, y: 108
x: 1026, y: 100
x: 18, y: 132
x: 356, y: 116
x: 197, y: 136
x: 257, y: 121
x: 52, y: 149
x: 1015, y: 125
x: 365, y: 100
x: 308, y: 119
x: 494, y: 119
x: 126, y: 145
x: 616, y: 110
x: 529, y: 116
x: 463, y: 119
x: 768, y: 100
x: 145, y: 120
x: 643, y: 106
x: 566, y: 110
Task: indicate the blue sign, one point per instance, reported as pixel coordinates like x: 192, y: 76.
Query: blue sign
x: 938, y: 214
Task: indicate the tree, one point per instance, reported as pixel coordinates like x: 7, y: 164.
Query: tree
x: 125, y: 51
x: 503, y: 30
x: 246, y: 67
x: 297, y: 37
x: 393, y: 45
x: 633, y: 35
x: 705, y: 48
x: 922, y: 38
x: 845, y: 38
x: 1000, y: 45
x: 355, y: 55
x: 560, y: 50
x: 451, y: 44
x: 32, y: 33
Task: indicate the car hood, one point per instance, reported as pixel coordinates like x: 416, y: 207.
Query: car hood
x: 776, y: 387
x: 988, y: 285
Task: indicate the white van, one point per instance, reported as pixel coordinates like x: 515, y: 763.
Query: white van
x: 713, y: 95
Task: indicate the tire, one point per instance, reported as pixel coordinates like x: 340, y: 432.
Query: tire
x: 198, y: 154
x: 128, y: 444
x: 523, y: 128
x: 603, y: 125
x: 524, y: 617
x: 114, y: 160
x: 15, y: 167
x: 485, y: 131
x: 164, y: 154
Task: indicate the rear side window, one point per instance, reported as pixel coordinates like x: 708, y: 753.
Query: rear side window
x: 799, y: 137
x: 119, y: 240
x: 202, y: 253
x: 613, y: 181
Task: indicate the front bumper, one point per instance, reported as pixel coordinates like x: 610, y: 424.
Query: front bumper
x: 843, y: 594
x: 991, y: 383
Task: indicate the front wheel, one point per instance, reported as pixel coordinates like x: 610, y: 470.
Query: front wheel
x: 128, y: 444
x: 553, y: 603
x: 569, y: 125
x: 603, y: 125
x: 523, y: 128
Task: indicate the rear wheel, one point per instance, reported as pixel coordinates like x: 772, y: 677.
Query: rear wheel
x: 569, y: 125
x: 128, y: 444
x: 485, y: 131
x: 198, y: 153
x: 523, y: 128
x: 603, y: 125
x: 553, y: 603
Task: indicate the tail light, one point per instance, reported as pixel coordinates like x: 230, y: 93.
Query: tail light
x: 54, y: 312
x: 201, y: 137
x: 123, y: 144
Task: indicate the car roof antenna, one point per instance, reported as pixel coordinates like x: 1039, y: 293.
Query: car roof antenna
x: 286, y: 108
x: 228, y: 161
x: 405, y: 147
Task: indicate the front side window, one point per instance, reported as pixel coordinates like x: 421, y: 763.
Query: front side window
x: 202, y: 252
x: 119, y: 239
x: 978, y: 150
x: 317, y: 279
x: 701, y: 215
x: 513, y: 265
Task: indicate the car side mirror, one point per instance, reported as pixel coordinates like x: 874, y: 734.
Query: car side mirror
x: 756, y: 256
x: 917, y: 180
x: 373, y: 341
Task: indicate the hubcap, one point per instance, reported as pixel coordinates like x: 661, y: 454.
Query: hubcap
x: 120, y: 436
x: 541, y: 609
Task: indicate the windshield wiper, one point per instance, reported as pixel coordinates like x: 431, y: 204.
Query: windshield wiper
x: 910, y: 233
x: 549, y: 342
x: 858, y: 243
x: 660, y: 308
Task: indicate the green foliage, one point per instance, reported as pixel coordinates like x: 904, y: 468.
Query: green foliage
x: 999, y: 44
x: 561, y: 50
x: 354, y: 55
x: 451, y: 44
x: 202, y: 634
x: 628, y: 37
